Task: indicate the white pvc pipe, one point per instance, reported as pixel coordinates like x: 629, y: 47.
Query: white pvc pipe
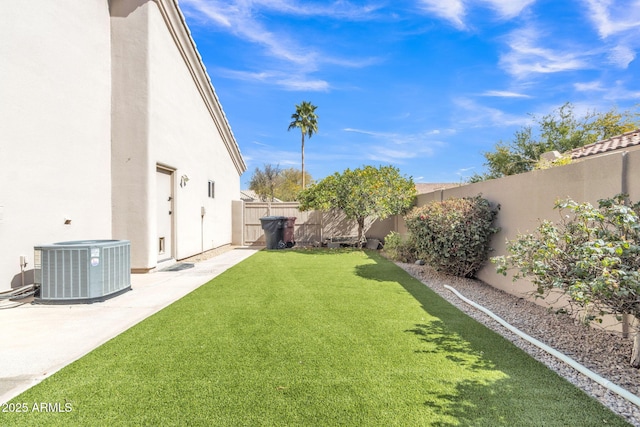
x: 575, y: 365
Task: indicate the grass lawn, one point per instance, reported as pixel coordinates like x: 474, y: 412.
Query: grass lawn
x: 311, y: 338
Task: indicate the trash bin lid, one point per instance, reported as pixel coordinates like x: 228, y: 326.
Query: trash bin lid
x: 273, y: 218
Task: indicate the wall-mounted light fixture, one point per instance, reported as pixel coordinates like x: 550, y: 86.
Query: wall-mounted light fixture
x: 183, y: 180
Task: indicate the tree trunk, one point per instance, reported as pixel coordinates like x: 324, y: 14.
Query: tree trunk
x: 303, y: 160
x: 635, y: 354
x: 360, y: 230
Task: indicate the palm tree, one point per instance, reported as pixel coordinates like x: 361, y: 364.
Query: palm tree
x: 306, y: 120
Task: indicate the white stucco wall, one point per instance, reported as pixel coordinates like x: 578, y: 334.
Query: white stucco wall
x: 164, y: 115
x: 184, y: 136
x: 55, y: 138
x: 133, y: 181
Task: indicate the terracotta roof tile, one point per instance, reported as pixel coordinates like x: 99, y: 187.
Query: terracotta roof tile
x: 625, y: 140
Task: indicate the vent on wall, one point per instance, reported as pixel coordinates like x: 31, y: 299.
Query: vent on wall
x: 82, y: 271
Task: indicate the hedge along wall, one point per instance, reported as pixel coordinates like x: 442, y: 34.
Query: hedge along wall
x: 529, y: 197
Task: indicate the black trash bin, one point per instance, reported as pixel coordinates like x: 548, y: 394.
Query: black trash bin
x: 273, y: 227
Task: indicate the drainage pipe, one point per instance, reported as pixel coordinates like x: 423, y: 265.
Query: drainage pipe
x: 575, y: 365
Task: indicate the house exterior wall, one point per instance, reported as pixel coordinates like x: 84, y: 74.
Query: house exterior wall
x: 171, y: 115
x: 95, y: 96
x: 133, y: 172
x: 184, y: 135
x: 55, y: 137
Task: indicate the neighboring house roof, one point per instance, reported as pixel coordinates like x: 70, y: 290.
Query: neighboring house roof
x: 625, y: 140
x: 428, y: 187
x: 251, y: 196
x: 180, y: 32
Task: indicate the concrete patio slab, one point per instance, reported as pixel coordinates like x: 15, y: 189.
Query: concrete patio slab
x: 37, y: 339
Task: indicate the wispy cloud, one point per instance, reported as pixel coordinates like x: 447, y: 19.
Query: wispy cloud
x: 396, y: 138
x: 398, y: 147
x: 336, y: 9
x: 237, y: 17
x: 455, y: 11
x: 505, y: 94
x: 594, y: 86
x: 615, y: 92
x: 509, y: 8
x: 291, y: 61
x: 528, y: 56
x: 450, y: 10
x: 617, y: 22
x: 256, y: 157
x: 621, y: 56
x: 463, y: 173
x: 475, y: 114
x: 613, y: 17
x: 286, y: 81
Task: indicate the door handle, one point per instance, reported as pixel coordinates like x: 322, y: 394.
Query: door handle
x: 169, y: 212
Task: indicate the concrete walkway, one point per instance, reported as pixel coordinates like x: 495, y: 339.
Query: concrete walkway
x: 36, y: 340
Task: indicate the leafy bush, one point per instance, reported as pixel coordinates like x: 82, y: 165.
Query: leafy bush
x: 453, y: 235
x: 398, y: 248
x: 592, y: 255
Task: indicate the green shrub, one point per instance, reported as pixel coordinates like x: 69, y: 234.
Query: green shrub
x: 592, y: 255
x: 398, y: 248
x: 453, y: 235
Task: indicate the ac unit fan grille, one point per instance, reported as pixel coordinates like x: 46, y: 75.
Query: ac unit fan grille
x: 65, y: 271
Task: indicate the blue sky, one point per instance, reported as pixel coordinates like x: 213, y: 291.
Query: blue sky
x: 424, y: 85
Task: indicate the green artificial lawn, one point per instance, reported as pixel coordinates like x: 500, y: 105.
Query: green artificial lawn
x: 310, y: 338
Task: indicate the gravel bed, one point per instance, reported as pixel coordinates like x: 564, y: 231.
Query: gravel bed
x: 605, y: 353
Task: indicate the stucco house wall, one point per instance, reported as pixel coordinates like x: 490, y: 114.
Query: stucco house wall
x: 55, y: 127
x: 107, y: 106
x: 169, y: 112
x: 184, y: 135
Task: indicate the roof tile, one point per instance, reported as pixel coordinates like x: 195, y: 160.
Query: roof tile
x: 625, y: 140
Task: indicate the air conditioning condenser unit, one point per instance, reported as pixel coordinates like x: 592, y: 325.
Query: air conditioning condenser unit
x: 82, y: 271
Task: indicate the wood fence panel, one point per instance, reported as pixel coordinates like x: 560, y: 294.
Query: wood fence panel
x: 310, y: 226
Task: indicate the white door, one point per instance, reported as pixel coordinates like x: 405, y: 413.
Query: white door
x: 164, y: 182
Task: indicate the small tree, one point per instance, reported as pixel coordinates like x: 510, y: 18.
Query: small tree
x: 291, y: 184
x: 264, y: 183
x: 592, y: 255
x: 361, y: 193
